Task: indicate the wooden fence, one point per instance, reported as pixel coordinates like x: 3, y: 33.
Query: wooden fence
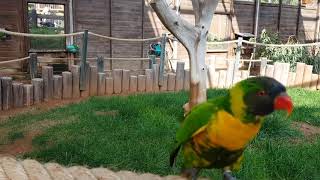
x: 119, y: 81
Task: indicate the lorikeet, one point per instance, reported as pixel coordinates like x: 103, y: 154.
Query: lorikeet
x: 215, y: 133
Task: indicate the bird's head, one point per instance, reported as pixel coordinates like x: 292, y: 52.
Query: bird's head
x: 258, y: 97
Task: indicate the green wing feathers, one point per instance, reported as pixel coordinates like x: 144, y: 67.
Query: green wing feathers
x: 197, y: 118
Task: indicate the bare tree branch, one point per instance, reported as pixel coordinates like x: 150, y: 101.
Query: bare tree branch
x: 207, y: 8
x: 180, y: 28
x: 196, y: 10
x: 193, y: 37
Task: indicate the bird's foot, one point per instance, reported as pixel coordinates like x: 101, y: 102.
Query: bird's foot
x: 191, y: 173
x: 227, y: 175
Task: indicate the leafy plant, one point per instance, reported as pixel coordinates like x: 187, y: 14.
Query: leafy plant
x: 47, y: 43
x: 2, y: 36
x: 290, y: 55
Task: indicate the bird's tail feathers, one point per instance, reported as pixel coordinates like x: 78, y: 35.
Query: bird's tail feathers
x: 174, y: 154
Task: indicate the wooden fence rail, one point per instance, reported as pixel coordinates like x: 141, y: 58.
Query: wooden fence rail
x: 119, y: 81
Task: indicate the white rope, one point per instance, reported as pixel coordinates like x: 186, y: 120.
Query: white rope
x: 122, y: 39
x: 128, y: 59
x: 248, y: 60
x: 39, y: 35
x: 53, y: 58
x: 14, y: 60
x: 263, y: 44
x: 282, y: 45
x: 222, y: 42
x: 92, y: 59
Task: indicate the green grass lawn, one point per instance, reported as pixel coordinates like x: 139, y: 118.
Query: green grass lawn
x: 137, y: 133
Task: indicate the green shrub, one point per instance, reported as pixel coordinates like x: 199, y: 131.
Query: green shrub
x: 54, y: 43
x: 290, y: 55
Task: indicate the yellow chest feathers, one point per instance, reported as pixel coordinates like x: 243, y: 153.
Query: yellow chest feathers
x: 231, y: 133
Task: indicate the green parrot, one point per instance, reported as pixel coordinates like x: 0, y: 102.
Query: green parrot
x: 215, y: 133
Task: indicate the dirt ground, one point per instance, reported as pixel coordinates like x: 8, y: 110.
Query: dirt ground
x: 308, y: 130
x: 24, y: 144
x: 38, y: 108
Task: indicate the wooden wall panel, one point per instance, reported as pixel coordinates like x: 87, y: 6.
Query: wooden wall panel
x: 288, y: 21
x: 94, y: 15
x: 126, y: 22
x: 12, y: 18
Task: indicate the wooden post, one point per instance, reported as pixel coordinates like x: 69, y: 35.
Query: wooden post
x: 101, y: 84
x: 6, y: 92
x: 171, y: 81
x: 117, y: 80
x: 57, y: 86
x: 179, y: 76
x: 0, y: 95
x: 83, y: 63
x: 75, y: 70
x: 152, y: 61
x: 86, y: 92
x: 108, y: 73
x: 238, y: 77
x: 162, y: 57
x: 109, y: 85
x: 238, y: 57
x: 230, y: 79
x: 28, y: 94
x: 318, y: 85
x: 291, y: 79
x: 269, y: 71
x: 70, y: 59
x: 222, y: 79
x: 164, y: 86
x: 133, y: 84
x: 37, y: 90
x: 47, y: 76
x: 278, y: 68
x: 125, y: 81
x: 33, y: 65
x: 216, y: 79
x: 100, y: 64
x: 263, y: 66
x: 149, y: 80
x: 285, y: 74
x: 155, y: 70
x: 211, y: 73
x: 299, y: 74
x: 66, y: 85
x: 244, y: 74
x: 307, y: 76
x: 314, y: 82
x: 17, y: 89
x: 93, y: 80
x: 186, y: 83
x: 142, y: 83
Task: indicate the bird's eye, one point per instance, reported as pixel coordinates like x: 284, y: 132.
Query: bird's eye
x: 261, y: 93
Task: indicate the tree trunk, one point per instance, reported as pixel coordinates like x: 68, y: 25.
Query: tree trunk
x: 198, y: 78
x: 193, y: 38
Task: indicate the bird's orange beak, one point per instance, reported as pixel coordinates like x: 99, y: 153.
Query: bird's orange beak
x: 283, y: 102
